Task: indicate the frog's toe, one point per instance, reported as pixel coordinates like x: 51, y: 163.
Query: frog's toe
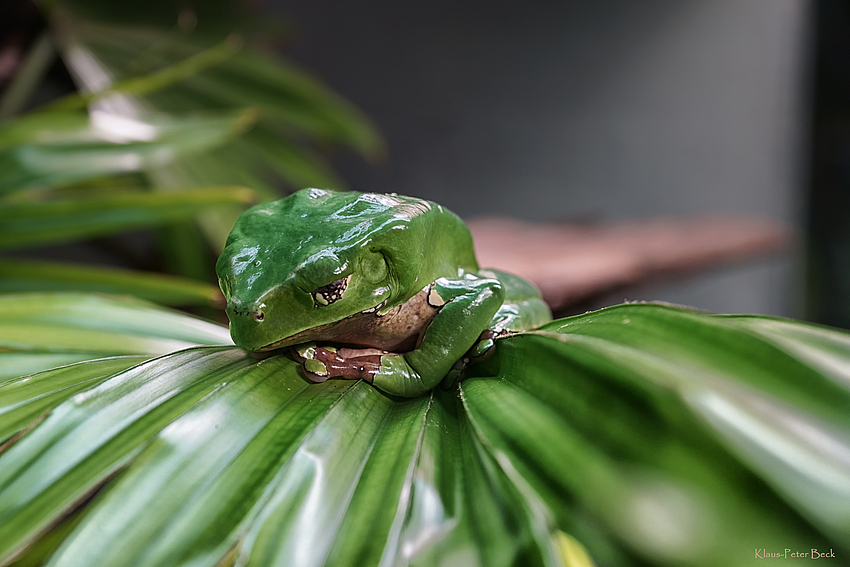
x: 484, y: 347
x: 455, y: 374
x: 315, y: 370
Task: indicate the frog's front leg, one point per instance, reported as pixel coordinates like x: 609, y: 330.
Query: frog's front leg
x: 466, y: 306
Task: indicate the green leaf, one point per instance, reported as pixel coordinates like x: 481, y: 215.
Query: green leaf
x: 244, y: 467
x: 15, y: 364
x: 827, y: 350
x: 463, y: 506
x: 27, y: 224
x: 705, y: 508
x: 781, y: 411
x: 39, y: 331
x: 117, y: 325
x: 287, y: 95
x: 154, y: 81
x: 24, y: 399
x: 247, y: 79
x: 50, y: 330
x: 17, y: 275
x: 59, y: 148
x: 592, y: 431
x: 253, y: 160
x: 86, y: 440
x: 294, y: 164
x: 206, y: 485
x: 185, y: 252
x: 19, y: 91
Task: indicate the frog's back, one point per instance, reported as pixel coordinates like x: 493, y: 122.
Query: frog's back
x: 420, y: 240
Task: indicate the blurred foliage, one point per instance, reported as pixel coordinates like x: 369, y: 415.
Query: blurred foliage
x: 175, y: 114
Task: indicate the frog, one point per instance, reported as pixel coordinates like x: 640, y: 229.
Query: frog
x: 368, y: 286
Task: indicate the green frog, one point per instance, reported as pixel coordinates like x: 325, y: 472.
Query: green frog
x: 378, y: 287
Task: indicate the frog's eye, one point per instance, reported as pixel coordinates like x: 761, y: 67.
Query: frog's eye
x: 332, y: 292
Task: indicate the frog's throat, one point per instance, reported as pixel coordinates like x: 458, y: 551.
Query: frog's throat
x: 400, y: 329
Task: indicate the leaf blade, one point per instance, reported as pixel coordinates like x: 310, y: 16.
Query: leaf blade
x: 57, y: 149
x: 20, y: 275
x: 103, y: 429
x: 28, y: 224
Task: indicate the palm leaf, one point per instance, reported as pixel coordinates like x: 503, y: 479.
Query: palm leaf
x: 243, y: 78
x: 43, y: 330
x: 56, y: 149
x: 613, y: 427
x: 26, y: 224
x: 17, y: 275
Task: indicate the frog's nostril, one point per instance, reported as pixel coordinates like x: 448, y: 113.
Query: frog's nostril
x: 259, y: 315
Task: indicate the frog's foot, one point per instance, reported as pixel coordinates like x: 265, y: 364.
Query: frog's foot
x: 483, y: 349
x: 320, y: 363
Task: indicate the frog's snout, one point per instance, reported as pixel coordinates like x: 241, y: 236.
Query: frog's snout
x: 247, y: 326
x: 236, y: 308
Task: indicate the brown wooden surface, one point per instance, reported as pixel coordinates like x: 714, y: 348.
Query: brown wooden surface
x: 571, y: 263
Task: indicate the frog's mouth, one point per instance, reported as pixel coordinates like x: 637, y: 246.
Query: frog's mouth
x: 357, y: 330
x: 399, y: 329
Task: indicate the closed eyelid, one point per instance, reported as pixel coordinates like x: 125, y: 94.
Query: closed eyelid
x: 332, y: 292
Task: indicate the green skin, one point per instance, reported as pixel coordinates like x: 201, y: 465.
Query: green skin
x: 383, y: 288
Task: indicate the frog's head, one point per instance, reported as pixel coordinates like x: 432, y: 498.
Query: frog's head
x: 309, y: 260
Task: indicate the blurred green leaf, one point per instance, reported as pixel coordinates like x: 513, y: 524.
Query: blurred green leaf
x: 604, y: 427
x: 147, y: 328
x: 100, y: 53
x: 40, y: 551
x: 286, y: 95
x: 262, y: 157
x: 44, y: 330
x: 156, y: 80
x: 17, y: 275
x: 135, y: 70
x: 781, y: 411
x: 17, y: 364
x: 810, y: 343
x: 57, y: 149
x: 297, y: 165
x: 185, y: 252
x: 29, y: 223
x: 17, y: 93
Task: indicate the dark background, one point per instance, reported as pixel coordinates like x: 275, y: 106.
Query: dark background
x: 607, y: 110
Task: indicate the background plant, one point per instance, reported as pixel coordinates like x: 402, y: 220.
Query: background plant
x: 174, y: 118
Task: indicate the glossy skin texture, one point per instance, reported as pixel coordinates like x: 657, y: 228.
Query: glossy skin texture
x: 380, y: 287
